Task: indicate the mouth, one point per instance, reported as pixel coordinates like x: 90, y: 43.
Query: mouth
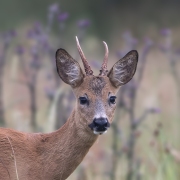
x: 99, y: 132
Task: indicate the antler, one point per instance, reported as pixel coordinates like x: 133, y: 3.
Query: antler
x: 85, y: 63
x: 104, y: 71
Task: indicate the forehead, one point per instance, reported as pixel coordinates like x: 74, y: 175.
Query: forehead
x: 96, y: 85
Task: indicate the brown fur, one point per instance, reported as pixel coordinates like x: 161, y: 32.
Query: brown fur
x: 97, y: 84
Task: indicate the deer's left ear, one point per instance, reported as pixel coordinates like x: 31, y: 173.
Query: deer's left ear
x: 123, y: 70
x: 68, y: 69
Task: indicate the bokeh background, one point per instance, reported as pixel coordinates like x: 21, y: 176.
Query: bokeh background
x: 143, y: 142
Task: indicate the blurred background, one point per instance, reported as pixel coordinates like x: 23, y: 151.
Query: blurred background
x: 143, y: 142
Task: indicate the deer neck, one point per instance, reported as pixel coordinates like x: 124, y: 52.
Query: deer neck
x: 66, y: 147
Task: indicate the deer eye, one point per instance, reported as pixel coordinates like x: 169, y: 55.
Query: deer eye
x: 112, y: 99
x: 83, y: 100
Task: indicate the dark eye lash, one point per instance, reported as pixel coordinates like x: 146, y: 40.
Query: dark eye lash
x: 112, y: 99
x: 83, y: 100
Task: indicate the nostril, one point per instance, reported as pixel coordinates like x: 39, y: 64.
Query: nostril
x: 101, y: 122
x: 95, y: 122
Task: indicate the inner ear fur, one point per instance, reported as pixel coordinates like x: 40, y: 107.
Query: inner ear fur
x: 68, y: 69
x: 124, y: 69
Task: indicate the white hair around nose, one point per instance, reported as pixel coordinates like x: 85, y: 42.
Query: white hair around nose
x: 99, y: 110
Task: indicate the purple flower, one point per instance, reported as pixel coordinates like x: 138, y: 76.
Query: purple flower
x: 8, y: 36
x: 177, y: 51
x: 45, y: 45
x: 35, y: 61
x: 52, y: 11
x: 54, y: 8
x: 12, y: 33
x: 119, y: 54
x: 130, y: 88
x: 165, y: 32
x: 146, y: 48
x: 37, y: 27
x: 154, y: 110
x: 20, y: 50
x: 71, y: 97
x: 83, y: 23
x: 95, y: 64
x: 129, y: 38
x: 63, y: 16
x: 30, y: 33
x: 36, y: 33
x: 148, y: 41
x: 50, y: 93
x: 130, y: 41
x: 49, y: 76
x: 163, y: 48
x: 34, y: 50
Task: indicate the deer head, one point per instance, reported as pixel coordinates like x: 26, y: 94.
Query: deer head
x: 95, y: 95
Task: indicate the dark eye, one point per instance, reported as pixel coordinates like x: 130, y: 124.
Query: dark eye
x: 83, y: 100
x: 112, y: 99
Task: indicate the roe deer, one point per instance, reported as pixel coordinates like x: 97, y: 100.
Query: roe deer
x: 38, y: 156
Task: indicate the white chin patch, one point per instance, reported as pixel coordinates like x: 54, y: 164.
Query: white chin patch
x: 99, y: 132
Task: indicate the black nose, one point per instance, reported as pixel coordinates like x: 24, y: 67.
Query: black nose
x: 101, y: 123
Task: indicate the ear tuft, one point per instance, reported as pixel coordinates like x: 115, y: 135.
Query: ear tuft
x: 124, y: 69
x: 68, y: 69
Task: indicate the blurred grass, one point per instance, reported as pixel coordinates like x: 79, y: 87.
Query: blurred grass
x: 108, y: 17
x: 158, y: 88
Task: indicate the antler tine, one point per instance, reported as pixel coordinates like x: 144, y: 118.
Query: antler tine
x: 104, y: 71
x: 85, y: 63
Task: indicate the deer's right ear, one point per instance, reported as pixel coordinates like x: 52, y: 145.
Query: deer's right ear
x: 68, y: 69
x: 123, y: 70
